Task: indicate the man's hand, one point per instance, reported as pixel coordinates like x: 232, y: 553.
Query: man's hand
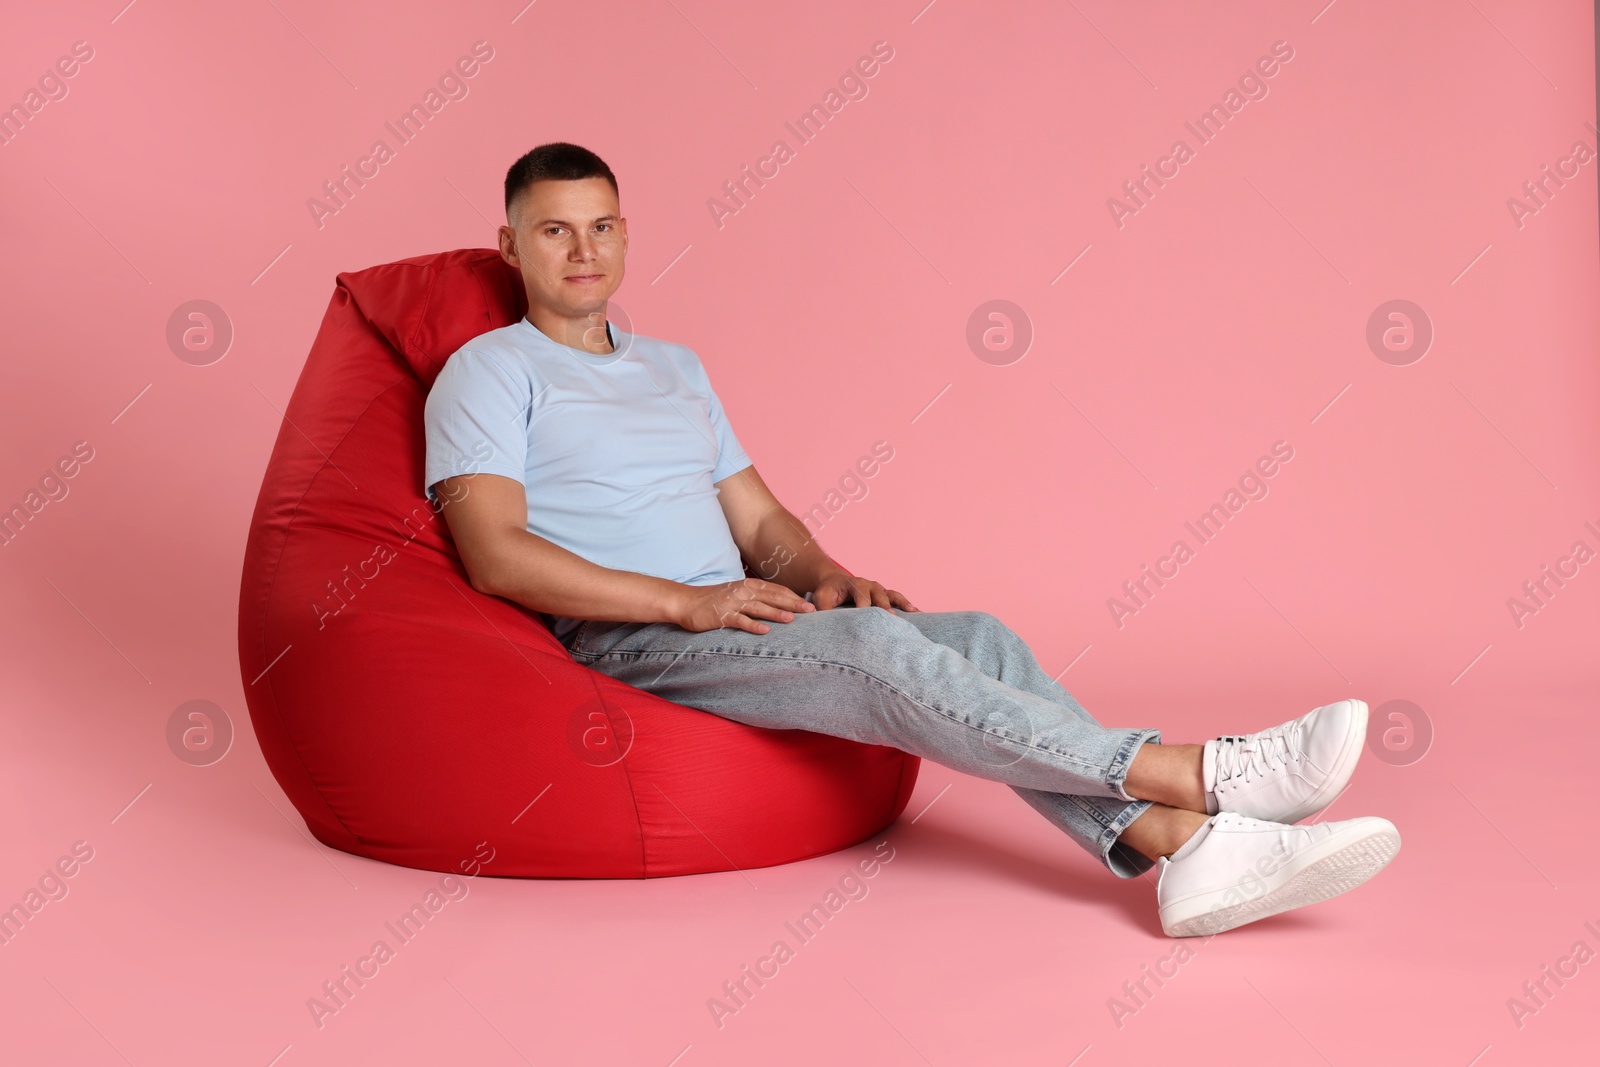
x: 739, y: 605
x: 838, y: 586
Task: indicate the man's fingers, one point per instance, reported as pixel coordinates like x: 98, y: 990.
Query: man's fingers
x: 748, y: 591
x: 788, y: 598
x: 758, y: 609
x: 762, y: 599
x: 743, y: 622
x: 782, y: 596
x: 752, y: 601
x: 782, y: 599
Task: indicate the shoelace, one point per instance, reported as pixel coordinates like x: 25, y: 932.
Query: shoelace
x: 1258, y: 754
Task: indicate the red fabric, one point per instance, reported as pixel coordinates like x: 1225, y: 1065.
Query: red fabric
x: 409, y: 717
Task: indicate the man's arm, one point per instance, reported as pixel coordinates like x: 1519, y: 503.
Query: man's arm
x: 775, y: 545
x: 488, y: 514
x: 777, y: 548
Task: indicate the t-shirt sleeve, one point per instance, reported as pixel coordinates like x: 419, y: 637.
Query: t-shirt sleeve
x: 731, y: 456
x: 476, y: 420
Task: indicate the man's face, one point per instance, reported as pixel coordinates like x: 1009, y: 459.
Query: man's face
x: 569, y: 242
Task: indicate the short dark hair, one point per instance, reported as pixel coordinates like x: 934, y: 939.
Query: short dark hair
x: 557, y: 161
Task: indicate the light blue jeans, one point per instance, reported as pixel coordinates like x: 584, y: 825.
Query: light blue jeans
x: 955, y: 687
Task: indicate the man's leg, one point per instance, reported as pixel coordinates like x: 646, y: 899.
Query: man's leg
x: 1171, y: 773
x: 871, y: 675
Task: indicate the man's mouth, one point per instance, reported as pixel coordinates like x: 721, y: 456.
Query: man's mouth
x: 584, y: 279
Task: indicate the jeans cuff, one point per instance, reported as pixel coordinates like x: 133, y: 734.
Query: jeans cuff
x: 1121, y: 860
x: 1124, y: 759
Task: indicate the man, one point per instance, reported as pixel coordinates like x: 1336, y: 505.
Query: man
x: 595, y: 479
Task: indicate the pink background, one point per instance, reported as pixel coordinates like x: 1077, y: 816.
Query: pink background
x: 1227, y: 314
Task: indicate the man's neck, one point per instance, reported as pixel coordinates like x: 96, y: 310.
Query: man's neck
x: 589, y: 333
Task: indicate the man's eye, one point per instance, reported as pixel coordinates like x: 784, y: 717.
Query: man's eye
x: 604, y: 226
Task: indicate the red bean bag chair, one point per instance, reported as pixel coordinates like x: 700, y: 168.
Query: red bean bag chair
x: 414, y: 720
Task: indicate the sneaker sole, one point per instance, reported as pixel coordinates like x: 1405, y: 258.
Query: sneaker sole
x: 1344, y: 766
x: 1341, y: 870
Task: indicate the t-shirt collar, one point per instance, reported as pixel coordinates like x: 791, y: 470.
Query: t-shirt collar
x: 539, y: 336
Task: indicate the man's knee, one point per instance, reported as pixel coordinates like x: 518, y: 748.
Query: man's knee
x: 988, y: 637
x: 987, y: 626
x: 867, y: 633
x: 869, y: 621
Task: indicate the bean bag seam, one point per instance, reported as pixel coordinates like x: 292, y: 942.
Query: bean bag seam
x: 410, y: 345
x: 627, y: 775
x: 909, y: 765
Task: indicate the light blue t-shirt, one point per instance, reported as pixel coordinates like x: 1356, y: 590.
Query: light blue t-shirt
x: 617, y: 452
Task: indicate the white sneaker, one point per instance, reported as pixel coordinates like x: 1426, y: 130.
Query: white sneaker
x: 1288, y: 772
x: 1235, y: 869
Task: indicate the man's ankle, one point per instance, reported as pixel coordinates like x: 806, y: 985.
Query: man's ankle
x: 1169, y: 775
x: 1184, y: 825
x: 1162, y: 830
